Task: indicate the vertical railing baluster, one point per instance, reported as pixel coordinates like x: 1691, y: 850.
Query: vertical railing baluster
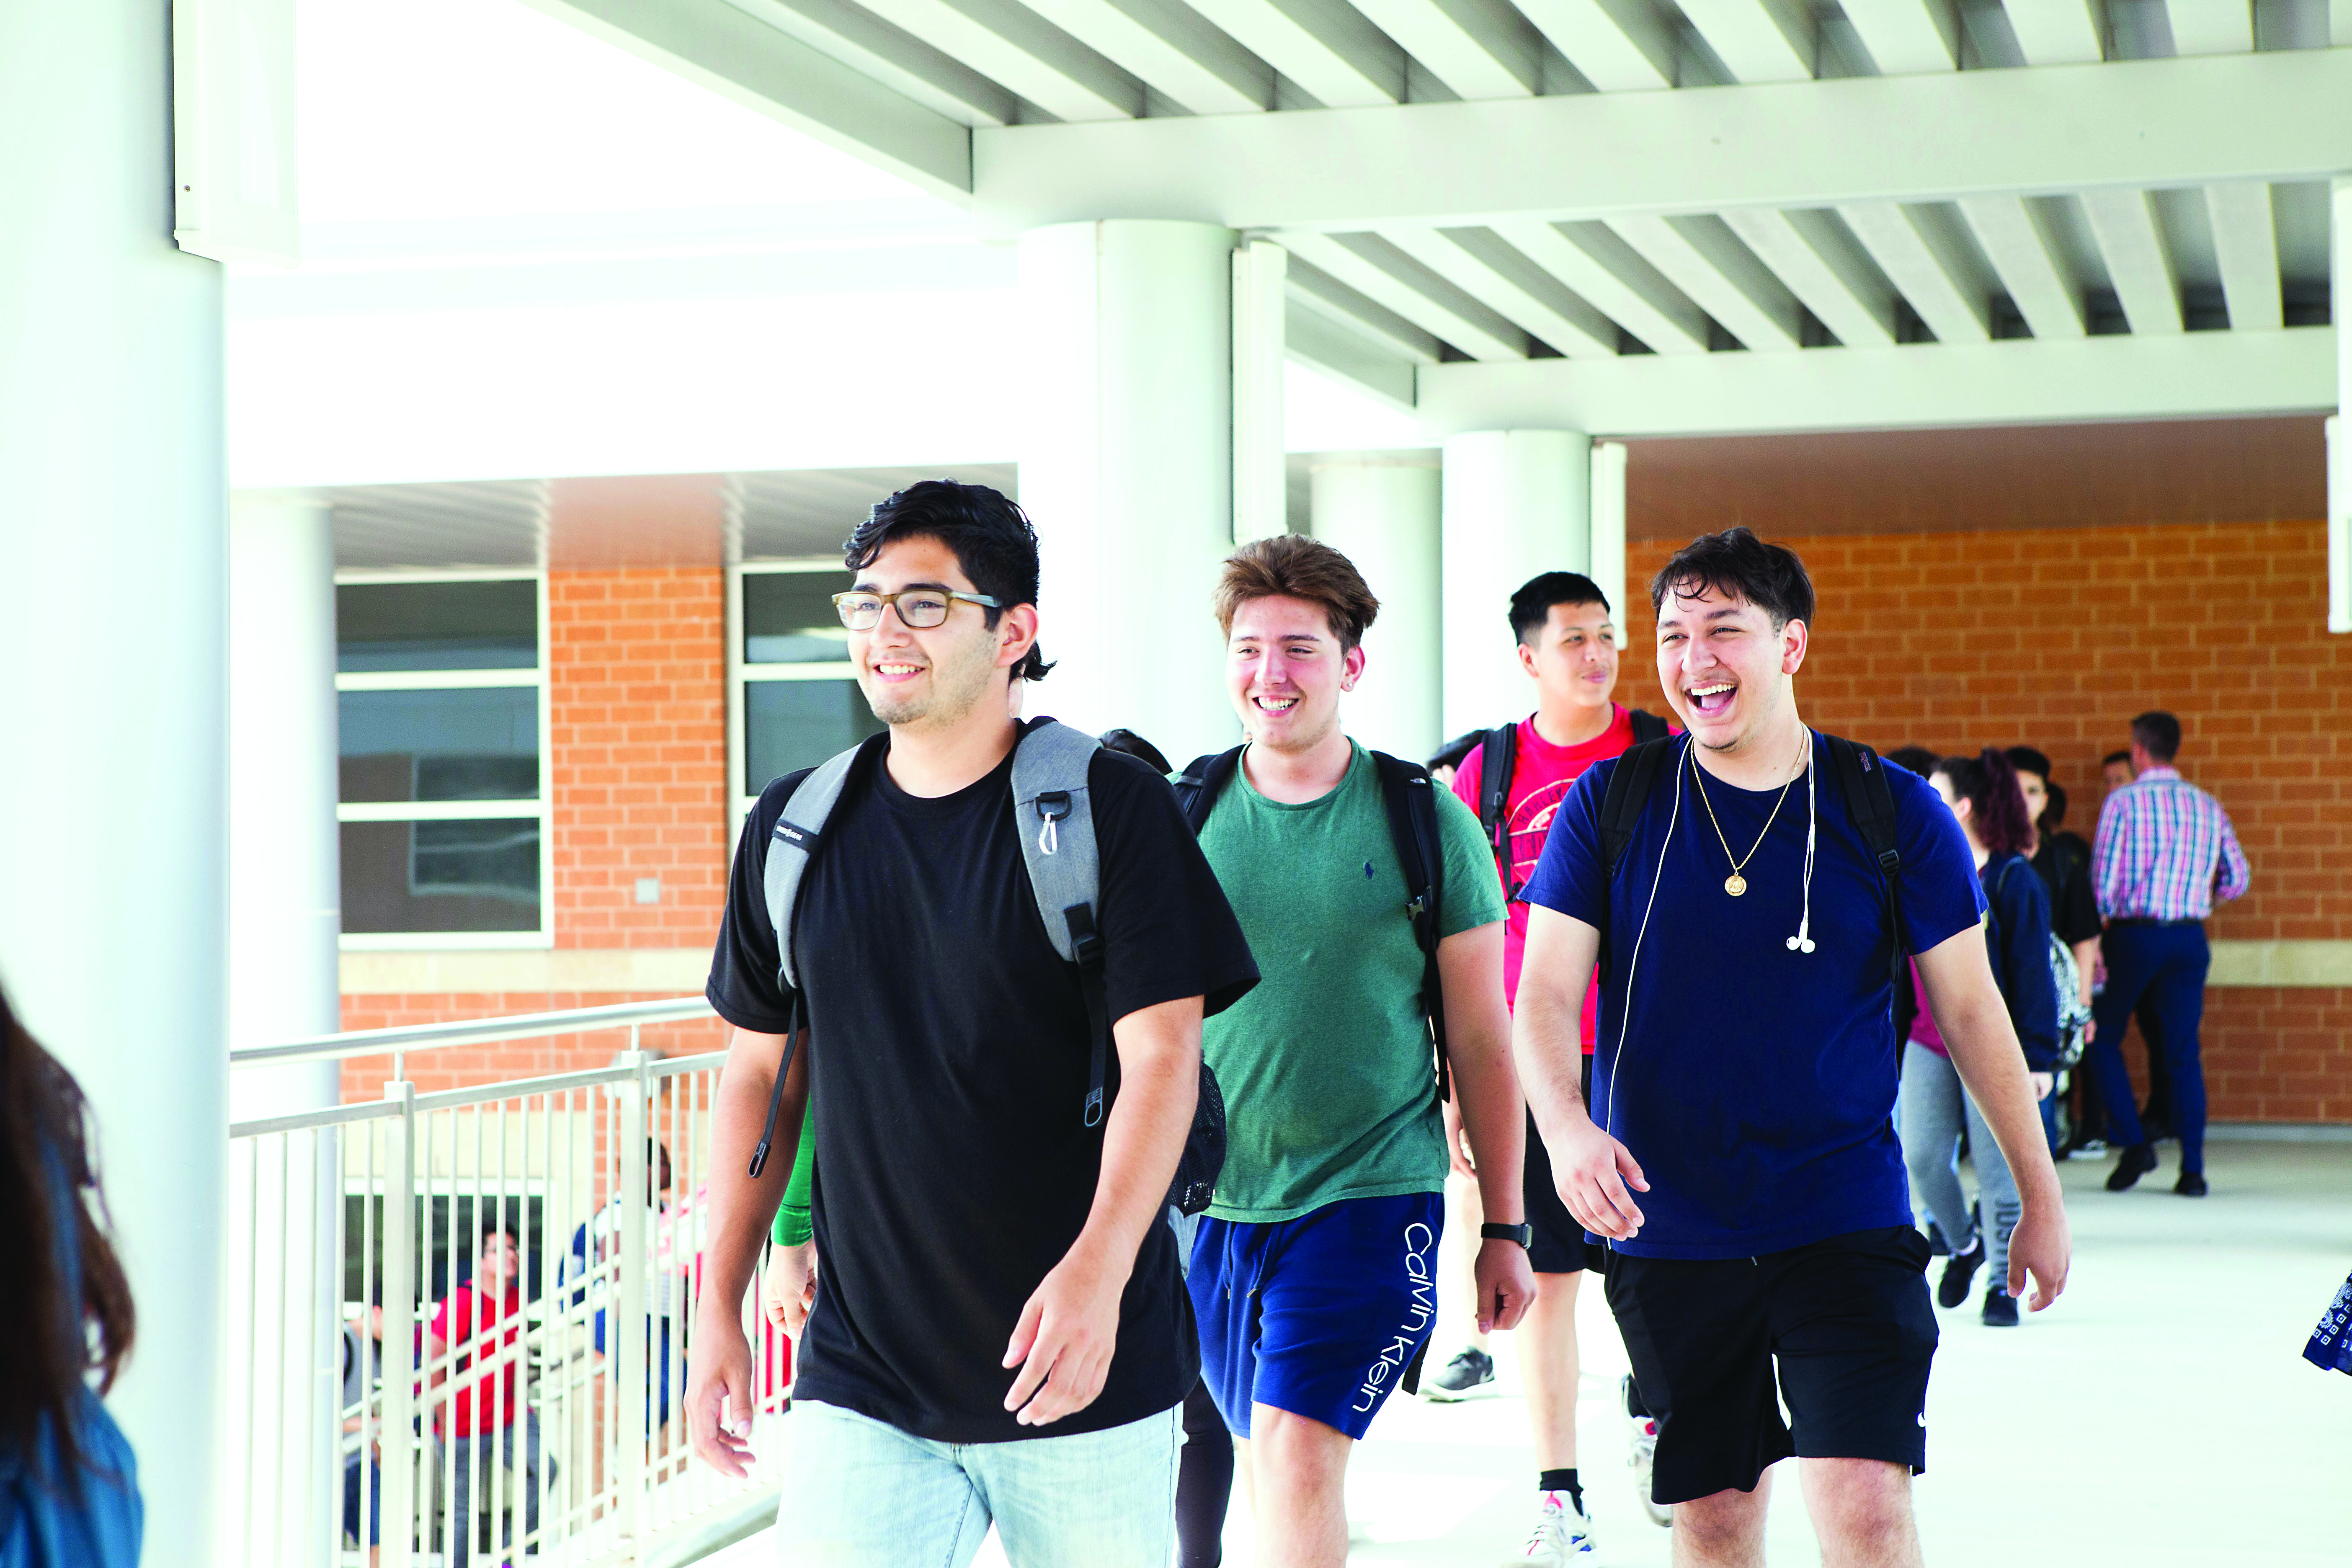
x: 626, y: 1325
x: 400, y: 1436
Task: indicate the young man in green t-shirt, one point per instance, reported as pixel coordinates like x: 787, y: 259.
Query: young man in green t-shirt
x: 1313, y: 1273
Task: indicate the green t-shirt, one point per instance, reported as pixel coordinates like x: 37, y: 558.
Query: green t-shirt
x: 1326, y: 1066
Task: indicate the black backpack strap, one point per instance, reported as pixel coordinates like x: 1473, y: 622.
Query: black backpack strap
x: 1647, y: 726
x: 1203, y: 779
x: 1635, y: 775
x: 1498, y: 757
x: 1409, y: 796
x: 1871, y: 802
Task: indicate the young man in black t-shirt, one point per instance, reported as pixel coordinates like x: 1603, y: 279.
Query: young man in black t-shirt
x: 1000, y: 1334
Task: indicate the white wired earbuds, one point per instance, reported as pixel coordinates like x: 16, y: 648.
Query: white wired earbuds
x: 1803, y: 941
x: 1633, y: 966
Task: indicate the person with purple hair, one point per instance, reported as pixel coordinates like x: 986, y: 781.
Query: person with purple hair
x: 1984, y: 794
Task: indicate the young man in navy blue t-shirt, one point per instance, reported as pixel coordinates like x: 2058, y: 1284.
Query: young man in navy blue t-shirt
x: 1738, y: 1154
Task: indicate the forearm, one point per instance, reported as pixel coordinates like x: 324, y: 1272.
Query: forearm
x: 1159, y: 1085
x: 1486, y: 1092
x: 740, y: 1205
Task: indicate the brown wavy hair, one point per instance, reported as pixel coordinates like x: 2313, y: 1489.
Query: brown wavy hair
x: 53, y: 1343
x: 1291, y: 566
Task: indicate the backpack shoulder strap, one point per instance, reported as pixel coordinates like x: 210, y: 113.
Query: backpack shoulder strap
x: 1203, y: 780
x: 1635, y: 775
x: 1871, y: 801
x: 1498, y: 756
x: 1647, y: 726
x: 1052, y: 816
x: 1409, y: 797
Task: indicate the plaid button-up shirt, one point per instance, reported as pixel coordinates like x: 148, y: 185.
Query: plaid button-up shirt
x: 2164, y: 851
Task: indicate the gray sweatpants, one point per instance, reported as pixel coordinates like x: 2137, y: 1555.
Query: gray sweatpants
x: 1933, y: 1106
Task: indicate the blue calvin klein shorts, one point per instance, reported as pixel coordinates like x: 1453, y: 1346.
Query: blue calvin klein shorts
x: 1318, y: 1315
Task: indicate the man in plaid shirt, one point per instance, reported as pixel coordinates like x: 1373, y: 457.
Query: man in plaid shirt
x: 2165, y: 852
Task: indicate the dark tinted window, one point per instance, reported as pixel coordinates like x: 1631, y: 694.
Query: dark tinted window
x: 441, y: 876
x: 464, y: 744
x: 790, y: 724
x: 436, y: 626
x: 788, y: 618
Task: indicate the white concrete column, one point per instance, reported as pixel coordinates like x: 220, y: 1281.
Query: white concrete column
x: 1516, y: 502
x: 1126, y: 468
x: 1608, y: 550
x: 113, y: 824
x: 1381, y: 510
x: 285, y: 884
x: 1261, y: 474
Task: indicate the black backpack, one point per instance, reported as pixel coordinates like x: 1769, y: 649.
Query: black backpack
x: 1409, y: 795
x: 1859, y: 774
x: 1499, y: 758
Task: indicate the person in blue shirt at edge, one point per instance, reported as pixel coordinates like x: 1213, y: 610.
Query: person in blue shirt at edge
x: 1739, y: 1156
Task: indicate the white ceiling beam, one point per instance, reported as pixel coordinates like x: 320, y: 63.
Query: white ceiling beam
x: 1169, y: 47
x: 1818, y: 258
x: 2031, y: 265
x: 1705, y: 260
x: 740, y: 57
x: 1760, y: 40
x: 2015, y: 381
x: 1009, y: 43
x: 1908, y: 37
x: 1372, y: 266
x: 2274, y: 116
x: 1916, y: 248
x: 1327, y: 47
x: 2339, y: 30
x: 2245, y: 242
x: 1621, y: 45
x: 891, y: 56
x: 2058, y: 32
x: 1592, y: 259
x: 1316, y: 291
x: 1484, y: 268
x: 1480, y: 48
x: 2211, y: 27
x: 2140, y: 261
x: 1315, y: 339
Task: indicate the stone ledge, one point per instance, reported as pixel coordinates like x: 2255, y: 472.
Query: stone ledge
x: 470, y: 972
x: 2319, y: 964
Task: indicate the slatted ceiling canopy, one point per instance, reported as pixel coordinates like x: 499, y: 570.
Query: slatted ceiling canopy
x: 1507, y: 181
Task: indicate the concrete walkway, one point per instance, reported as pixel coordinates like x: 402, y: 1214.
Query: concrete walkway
x: 2158, y: 1414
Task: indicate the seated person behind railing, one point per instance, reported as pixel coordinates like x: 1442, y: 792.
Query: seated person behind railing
x: 590, y: 1268
x: 480, y: 1417
x: 363, y: 1368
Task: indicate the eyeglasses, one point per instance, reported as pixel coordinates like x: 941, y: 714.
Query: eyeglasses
x: 920, y: 608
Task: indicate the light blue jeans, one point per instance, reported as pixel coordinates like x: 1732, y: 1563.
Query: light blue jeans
x: 1935, y: 1106
x: 860, y: 1493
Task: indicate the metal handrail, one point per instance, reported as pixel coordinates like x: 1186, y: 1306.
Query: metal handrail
x: 471, y: 1032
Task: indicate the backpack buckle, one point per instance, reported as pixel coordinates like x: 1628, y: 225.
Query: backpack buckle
x: 1890, y: 861
x: 1052, y: 806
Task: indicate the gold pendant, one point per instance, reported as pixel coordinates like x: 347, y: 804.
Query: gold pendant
x: 1735, y: 884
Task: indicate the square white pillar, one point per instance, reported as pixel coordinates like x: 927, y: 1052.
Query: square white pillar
x: 1516, y: 503
x: 1380, y: 510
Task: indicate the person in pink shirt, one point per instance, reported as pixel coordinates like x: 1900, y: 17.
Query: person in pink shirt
x: 1516, y: 779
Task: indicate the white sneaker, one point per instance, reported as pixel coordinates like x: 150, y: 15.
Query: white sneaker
x: 1644, y: 1458
x: 1563, y: 1534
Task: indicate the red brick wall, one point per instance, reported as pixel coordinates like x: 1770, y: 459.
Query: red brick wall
x: 433, y: 1071
x: 2054, y: 638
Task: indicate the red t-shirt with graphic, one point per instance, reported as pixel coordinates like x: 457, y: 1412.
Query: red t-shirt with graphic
x: 1541, y: 776
x: 456, y: 1325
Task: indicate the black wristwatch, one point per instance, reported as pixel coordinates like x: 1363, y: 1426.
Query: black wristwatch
x: 1525, y: 1234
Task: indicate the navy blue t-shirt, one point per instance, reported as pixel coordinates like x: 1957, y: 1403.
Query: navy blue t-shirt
x: 1754, y: 1085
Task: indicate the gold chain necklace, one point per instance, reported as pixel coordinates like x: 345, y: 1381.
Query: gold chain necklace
x: 1736, y: 884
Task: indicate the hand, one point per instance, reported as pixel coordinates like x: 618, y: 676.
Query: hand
x: 1063, y: 1341
x: 2043, y: 1083
x: 1594, y: 1171
x: 719, y: 1391
x: 789, y: 1291
x: 1507, y: 1285
x: 1457, y: 1143
x: 2090, y: 1026
x: 2043, y: 1243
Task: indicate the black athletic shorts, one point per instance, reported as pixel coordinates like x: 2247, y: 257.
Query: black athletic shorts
x: 1558, y: 1246
x: 1848, y: 1320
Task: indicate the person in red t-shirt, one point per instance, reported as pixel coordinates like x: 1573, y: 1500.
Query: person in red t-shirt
x: 482, y: 1319
x: 1567, y: 646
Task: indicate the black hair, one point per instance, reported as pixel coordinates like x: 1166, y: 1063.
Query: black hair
x: 1531, y: 606
x: 54, y: 1341
x: 1135, y: 745
x: 2053, y: 816
x: 2159, y: 733
x: 1920, y: 760
x: 1997, y: 805
x: 2113, y: 757
x: 2026, y: 759
x: 1452, y: 753
x: 498, y: 1224
x: 1737, y: 563
x: 994, y: 544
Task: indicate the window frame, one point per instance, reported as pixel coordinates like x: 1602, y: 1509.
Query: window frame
x: 543, y: 808
x: 741, y: 672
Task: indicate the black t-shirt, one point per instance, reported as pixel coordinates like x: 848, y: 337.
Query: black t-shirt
x: 948, y: 1069
x: 2074, y: 908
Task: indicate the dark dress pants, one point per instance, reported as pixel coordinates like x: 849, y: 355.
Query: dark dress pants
x: 2165, y: 965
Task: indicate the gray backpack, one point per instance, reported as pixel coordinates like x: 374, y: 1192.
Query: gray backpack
x: 1054, y: 819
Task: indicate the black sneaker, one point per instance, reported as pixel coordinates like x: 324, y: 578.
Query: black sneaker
x: 2192, y: 1184
x: 2135, y: 1162
x: 1473, y: 1368
x: 1953, y: 1288
x: 1999, y: 1309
